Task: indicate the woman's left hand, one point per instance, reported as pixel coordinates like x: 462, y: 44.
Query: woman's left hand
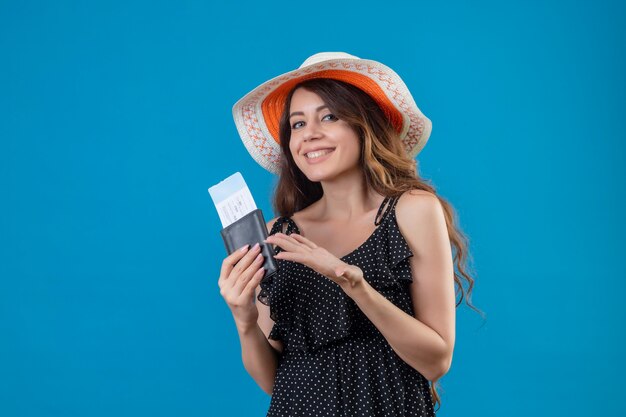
x: 297, y: 248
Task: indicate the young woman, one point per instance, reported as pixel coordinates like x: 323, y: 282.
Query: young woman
x: 360, y: 317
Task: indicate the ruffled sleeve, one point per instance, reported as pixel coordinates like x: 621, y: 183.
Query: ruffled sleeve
x: 268, y: 289
x: 398, y: 252
x: 393, y: 267
x: 267, y: 283
x: 302, y: 328
x: 295, y: 295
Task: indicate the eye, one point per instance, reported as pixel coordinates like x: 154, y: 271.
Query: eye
x: 297, y: 125
x: 331, y: 117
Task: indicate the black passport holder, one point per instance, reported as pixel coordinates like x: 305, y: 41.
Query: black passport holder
x: 248, y: 230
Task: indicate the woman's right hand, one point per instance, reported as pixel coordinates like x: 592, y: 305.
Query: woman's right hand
x: 241, y: 273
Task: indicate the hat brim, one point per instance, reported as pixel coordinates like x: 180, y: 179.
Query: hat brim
x: 258, y: 113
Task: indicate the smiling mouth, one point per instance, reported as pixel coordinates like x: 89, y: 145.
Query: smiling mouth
x: 319, y: 153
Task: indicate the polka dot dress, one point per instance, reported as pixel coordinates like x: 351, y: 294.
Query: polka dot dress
x: 335, y: 362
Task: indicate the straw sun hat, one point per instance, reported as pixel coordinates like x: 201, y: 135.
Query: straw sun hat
x: 257, y: 114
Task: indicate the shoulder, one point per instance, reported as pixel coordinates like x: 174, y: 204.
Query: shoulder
x: 421, y: 218
x: 417, y: 202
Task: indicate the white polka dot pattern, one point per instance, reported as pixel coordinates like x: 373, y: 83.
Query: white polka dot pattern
x: 335, y: 362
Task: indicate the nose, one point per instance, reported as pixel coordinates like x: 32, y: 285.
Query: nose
x: 311, y: 131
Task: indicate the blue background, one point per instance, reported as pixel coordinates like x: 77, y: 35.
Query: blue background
x: 115, y: 118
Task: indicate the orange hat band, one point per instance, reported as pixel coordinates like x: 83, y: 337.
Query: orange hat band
x: 272, y: 106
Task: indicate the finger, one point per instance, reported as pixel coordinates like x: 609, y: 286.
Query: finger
x: 283, y: 236
x: 292, y: 256
x: 244, y: 262
x: 348, y: 273
x: 340, y: 271
x: 285, y: 242
x: 248, y: 273
x: 253, y: 283
x: 229, y: 262
x: 304, y: 240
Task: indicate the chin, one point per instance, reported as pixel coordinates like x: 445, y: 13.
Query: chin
x: 316, y: 177
x: 321, y: 175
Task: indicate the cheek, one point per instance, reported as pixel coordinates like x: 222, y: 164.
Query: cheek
x: 353, y: 144
x: 293, y: 150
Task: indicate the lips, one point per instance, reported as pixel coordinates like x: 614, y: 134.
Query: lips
x: 317, y: 153
x: 321, y: 156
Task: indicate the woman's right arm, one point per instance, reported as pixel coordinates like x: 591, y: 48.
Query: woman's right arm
x: 258, y: 356
x: 239, y: 281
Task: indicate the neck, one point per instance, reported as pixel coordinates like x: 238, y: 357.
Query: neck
x: 347, y: 197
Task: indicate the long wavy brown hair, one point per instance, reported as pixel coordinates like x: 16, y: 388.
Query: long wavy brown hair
x: 386, y: 166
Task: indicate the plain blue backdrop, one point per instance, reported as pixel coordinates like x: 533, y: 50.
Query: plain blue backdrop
x: 115, y: 118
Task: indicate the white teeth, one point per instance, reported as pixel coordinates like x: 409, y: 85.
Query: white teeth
x: 317, y: 154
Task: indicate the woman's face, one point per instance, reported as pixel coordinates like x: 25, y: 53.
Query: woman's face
x: 322, y: 145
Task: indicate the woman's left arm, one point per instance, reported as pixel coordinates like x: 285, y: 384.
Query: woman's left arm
x: 426, y: 341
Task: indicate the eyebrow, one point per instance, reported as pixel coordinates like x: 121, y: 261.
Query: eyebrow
x: 299, y: 113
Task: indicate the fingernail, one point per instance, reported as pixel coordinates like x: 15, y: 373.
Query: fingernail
x: 259, y: 257
x: 256, y: 246
x: 244, y: 248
